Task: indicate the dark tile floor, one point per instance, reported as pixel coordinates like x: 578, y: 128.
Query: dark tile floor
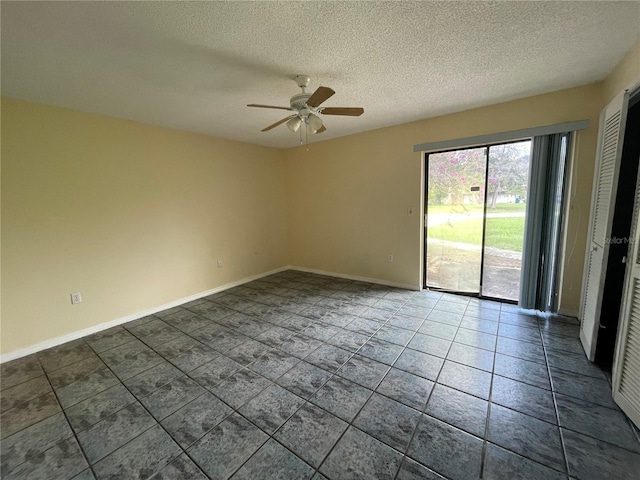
x: 300, y: 376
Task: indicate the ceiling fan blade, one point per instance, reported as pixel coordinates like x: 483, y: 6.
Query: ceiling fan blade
x: 319, y: 96
x: 351, y: 111
x: 321, y: 129
x: 268, y: 106
x: 279, y: 122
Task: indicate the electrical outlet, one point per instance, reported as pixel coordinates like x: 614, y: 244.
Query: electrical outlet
x: 219, y: 263
x: 390, y: 257
x: 76, y: 298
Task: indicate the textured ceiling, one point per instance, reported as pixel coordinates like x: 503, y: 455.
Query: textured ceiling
x: 195, y: 65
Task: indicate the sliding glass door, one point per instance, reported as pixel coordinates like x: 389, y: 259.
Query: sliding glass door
x: 507, y: 188
x: 475, y: 219
x: 455, y: 212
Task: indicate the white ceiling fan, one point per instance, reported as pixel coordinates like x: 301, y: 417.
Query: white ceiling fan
x: 308, y: 110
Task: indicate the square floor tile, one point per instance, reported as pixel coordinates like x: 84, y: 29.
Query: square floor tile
x: 525, y: 350
x: 363, y: 371
x: 311, y: 433
x: 275, y: 336
x: 381, y: 351
x: 107, y: 339
x: 406, y: 388
x: 114, y: 430
x: 304, y: 379
x: 410, y: 470
x: 480, y: 325
x: 247, y: 352
x: 225, y: 448
x: 599, y: 422
x: 19, y: 371
x: 440, y: 330
x: 182, y: 468
x: 573, y: 362
x: 405, y: 322
x: 501, y: 464
x: 186, y: 321
x: 62, y: 460
x: 90, y: 411
x: 450, y: 318
x: 271, y: 408
x: 328, y: 357
x: 348, y: 340
x: 28, y: 413
x: 13, y: 396
x: 518, y: 332
x: 215, y: 372
x: 64, y: 355
x: 431, y: 345
x: 273, y: 364
x: 150, y: 380
x: 141, y: 457
x: 394, y: 334
x: 467, y: 379
x: 130, y: 359
x: 32, y: 441
x: 418, y: 363
x: 387, y: 420
x: 522, y: 370
x: 528, y: 436
x: 194, y: 358
x: 358, y: 456
x: 591, y: 459
x: 582, y: 386
x: 341, y: 397
x: 195, y: 419
x: 436, y: 443
x: 274, y: 462
x: 363, y: 326
x: 562, y: 343
x: 524, y: 398
x: 172, y: 396
x: 476, y: 339
x: 459, y: 409
x: 240, y: 387
x: 471, y: 356
x: 154, y: 333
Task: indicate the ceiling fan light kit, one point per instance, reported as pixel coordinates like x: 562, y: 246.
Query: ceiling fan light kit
x: 307, y: 108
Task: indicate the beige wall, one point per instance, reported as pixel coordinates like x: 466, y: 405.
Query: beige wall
x: 135, y: 216
x: 132, y: 216
x: 626, y: 72
x: 348, y: 197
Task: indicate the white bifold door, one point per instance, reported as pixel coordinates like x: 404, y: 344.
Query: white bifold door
x: 626, y: 363
x: 605, y: 183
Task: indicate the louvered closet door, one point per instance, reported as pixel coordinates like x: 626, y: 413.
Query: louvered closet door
x: 605, y: 184
x: 626, y: 364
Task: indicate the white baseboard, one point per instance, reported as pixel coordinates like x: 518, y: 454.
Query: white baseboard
x: 377, y: 281
x: 23, y: 352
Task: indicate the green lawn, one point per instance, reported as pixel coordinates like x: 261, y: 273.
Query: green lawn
x: 505, y: 233
x: 500, y: 208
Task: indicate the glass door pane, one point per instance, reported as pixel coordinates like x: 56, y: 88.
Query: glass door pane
x: 507, y: 187
x: 455, y: 213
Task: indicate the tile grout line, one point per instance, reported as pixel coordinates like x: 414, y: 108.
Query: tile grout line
x: 435, y: 382
x: 555, y: 403
x: 63, y: 411
x: 485, y: 438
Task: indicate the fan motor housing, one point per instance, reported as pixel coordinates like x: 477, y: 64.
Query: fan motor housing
x: 299, y: 100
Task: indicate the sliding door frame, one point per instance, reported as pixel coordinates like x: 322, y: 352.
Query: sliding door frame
x: 425, y: 196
